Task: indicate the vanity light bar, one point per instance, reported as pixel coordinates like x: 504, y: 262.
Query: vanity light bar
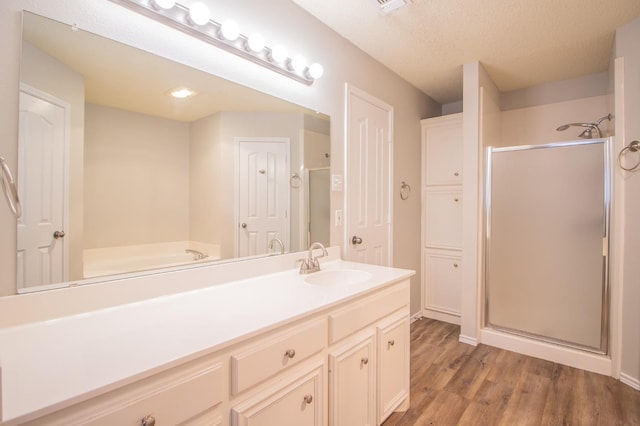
x: 201, y: 27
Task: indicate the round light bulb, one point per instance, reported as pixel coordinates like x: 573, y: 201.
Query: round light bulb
x: 316, y: 70
x: 199, y: 13
x: 163, y: 4
x: 279, y: 53
x: 299, y: 63
x: 230, y: 30
x: 256, y: 42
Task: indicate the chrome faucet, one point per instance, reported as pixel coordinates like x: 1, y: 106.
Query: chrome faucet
x: 197, y: 255
x: 273, y: 242
x: 311, y: 263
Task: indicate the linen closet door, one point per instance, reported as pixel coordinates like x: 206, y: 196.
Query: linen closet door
x: 547, y: 223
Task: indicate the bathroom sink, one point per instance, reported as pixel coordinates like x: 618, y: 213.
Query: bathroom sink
x: 337, y: 277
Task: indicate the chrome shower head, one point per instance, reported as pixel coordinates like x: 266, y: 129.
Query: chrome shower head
x: 587, y: 133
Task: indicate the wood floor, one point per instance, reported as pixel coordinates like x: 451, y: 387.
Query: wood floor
x: 457, y: 384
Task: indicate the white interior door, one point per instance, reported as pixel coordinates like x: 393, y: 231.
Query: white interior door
x: 41, y: 186
x: 368, y: 179
x: 263, y: 194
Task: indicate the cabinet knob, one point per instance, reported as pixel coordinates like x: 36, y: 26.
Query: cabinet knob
x: 290, y: 353
x: 392, y: 342
x: 456, y: 199
x: 365, y: 360
x: 455, y: 265
x: 456, y: 174
x: 148, y: 421
x: 308, y: 399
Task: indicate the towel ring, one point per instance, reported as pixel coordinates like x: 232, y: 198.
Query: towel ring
x: 634, y: 146
x: 405, y: 191
x: 9, y: 189
x: 295, y: 180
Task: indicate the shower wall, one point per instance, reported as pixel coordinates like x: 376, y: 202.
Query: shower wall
x: 537, y: 125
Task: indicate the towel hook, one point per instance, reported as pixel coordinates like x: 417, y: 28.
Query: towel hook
x: 405, y: 191
x: 634, y: 146
x: 9, y: 188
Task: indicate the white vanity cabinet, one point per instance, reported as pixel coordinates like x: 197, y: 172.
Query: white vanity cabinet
x: 340, y: 363
x: 369, y: 358
x: 442, y: 217
x: 295, y: 401
x: 352, y: 383
x: 188, y: 395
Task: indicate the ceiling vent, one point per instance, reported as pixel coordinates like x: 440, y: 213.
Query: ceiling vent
x: 388, y: 6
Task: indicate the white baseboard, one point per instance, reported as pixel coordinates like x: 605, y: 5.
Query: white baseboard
x: 442, y: 316
x: 630, y: 381
x: 468, y: 340
x: 415, y: 317
x: 568, y: 356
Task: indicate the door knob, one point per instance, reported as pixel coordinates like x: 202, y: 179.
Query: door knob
x: 243, y: 225
x: 58, y: 234
x: 356, y: 240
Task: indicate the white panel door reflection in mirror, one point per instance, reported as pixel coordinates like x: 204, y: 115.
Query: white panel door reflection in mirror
x: 263, y: 194
x: 368, y: 197
x: 41, y: 186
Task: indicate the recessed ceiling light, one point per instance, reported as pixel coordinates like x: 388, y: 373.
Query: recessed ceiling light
x: 182, y: 92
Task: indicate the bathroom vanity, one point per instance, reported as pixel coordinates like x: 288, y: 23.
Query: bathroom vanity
x: 330, y: 347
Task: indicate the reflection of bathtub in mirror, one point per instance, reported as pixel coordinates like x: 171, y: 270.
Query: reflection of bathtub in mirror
x: 134, y: 258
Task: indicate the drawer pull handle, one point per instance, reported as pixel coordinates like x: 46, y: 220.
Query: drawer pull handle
x: 455, y: 265
x: 392, y: 342
x: 148, y: 421
x: 308, y: 399
x: 365, y: 360
x: 290, y: 353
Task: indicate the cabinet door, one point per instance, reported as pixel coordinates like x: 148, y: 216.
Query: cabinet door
x: 352, y: 384
x: 393, y: 366
x: 443, y: 218
x: 299, y: 403
x: 442, y: 147
x: 443, y: 282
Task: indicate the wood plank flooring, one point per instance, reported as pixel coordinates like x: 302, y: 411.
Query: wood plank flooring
x: 457, y: 384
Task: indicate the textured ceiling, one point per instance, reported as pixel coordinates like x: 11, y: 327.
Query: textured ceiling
x: 521, y: 43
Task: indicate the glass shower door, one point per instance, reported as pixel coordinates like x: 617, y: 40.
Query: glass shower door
x: 546, y: 253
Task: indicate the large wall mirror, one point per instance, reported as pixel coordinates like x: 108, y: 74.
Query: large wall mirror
x: 118, y: 176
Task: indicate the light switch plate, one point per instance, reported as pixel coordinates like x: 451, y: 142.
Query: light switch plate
x: 338, y: 217
x: 336, y: 182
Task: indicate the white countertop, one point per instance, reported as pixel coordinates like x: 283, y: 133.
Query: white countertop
x: 54, y: 363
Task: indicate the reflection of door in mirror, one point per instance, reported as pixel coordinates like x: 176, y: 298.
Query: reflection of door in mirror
x: 42, y: 145
x: 263, y: 194
x: 318, y: 205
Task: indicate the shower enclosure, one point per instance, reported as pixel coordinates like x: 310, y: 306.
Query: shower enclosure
x: 547, y: 242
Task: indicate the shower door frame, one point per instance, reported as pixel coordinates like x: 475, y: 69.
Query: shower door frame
x: 604, y: 348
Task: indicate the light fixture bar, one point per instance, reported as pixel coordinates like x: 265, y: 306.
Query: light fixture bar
x: 178, y: 18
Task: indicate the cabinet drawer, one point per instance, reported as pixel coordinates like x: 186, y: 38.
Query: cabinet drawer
x: 275, y: 354
x: 355, y: 317
x: 299, y: 403
x: 173, y: 397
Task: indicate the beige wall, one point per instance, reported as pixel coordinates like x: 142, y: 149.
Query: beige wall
x: 45, y: 73
x: 206, y: 179
x: 136, y: 178
x: 537, y: 125
x: 628, y: 129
